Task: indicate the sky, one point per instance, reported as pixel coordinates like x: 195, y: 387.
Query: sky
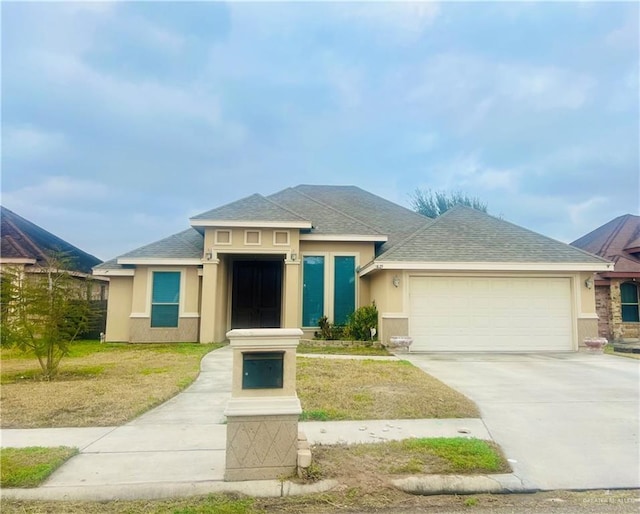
x: 122, y: 120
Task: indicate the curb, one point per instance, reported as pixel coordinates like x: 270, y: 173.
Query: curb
x: 167, y: 490
x: 419, y: 485
x: 462, y: 484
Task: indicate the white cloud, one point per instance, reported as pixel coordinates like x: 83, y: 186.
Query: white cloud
x: 579, y: 211
x: 625, y: 35
x: 469, y: 174
x: 26, y: 142
x: 544, y: 87
x: 141, y: 98
x: 56, y: 190
x: 402, y: 22
x: 470, y: 88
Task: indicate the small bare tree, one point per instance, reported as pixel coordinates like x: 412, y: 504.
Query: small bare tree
x: 43, y: 312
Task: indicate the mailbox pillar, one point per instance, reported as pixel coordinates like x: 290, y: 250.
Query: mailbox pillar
x: 262, y: 414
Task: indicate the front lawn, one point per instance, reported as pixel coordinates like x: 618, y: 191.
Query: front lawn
x: 332, y: 389
x: 29, y: 467
x: 99, y: 384
x: 390, y: 459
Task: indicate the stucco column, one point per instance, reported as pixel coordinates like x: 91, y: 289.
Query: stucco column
x: 291, y: 315
x: 208, y: 305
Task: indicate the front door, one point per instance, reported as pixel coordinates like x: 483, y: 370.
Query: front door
x: 256, y: 294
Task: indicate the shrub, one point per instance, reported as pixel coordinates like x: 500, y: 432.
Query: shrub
x: 361, y: 322
x: 329, y: 331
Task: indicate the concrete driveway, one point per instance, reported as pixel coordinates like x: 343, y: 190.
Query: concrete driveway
x: 567, y: 421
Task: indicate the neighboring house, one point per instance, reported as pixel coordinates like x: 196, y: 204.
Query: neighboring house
x: 617, y: 290
x: 465, y: 281
x: 26, y: 248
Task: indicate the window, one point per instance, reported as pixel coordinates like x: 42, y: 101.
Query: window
x: 344, y: 288
x: 312, y: 290
x: 340, y: 293
x: 629, y: 300
x: 165, y: 299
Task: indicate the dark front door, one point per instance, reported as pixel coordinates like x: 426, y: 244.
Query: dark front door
x: 257, y: 294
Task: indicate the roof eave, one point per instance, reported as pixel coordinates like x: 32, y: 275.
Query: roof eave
x: 485, y: 266
x: 195, y: 223
x: 17, y: 260
x: 112, y: 272
x: 164, y: 261
x: 373, y: 238
x: 620, y: 274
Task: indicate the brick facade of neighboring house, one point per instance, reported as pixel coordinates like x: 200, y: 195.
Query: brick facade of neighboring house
x: 618, y: 241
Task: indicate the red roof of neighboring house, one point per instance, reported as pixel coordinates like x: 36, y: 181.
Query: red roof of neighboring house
x: 618, y: 241
x: 22, y: 239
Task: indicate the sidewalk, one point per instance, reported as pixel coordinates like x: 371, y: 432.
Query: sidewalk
x: 178, y: 448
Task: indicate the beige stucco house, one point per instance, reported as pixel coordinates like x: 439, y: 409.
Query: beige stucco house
x: 618, y: 289
x: 465, y: 281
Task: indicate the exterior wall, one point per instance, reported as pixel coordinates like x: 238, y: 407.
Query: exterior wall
x: 364, y: 253
x: 140, y: 329
x: 393, y: 302
x: 239, y: 244
x: 603, y: 308
x: 186, y: 331
x: 119, y: 309
x: 619, y: 330
x: 393, y: 319
x: 587, y: 328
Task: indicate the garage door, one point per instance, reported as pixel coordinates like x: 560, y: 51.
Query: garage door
x: 456, y: 314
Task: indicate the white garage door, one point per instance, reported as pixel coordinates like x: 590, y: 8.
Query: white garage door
x: 472, y: 314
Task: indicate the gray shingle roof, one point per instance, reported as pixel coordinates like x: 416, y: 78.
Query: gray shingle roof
x: 463, y: 234
x: 383, y: 215
x: 326, y: 219
x: 187, y: 244
x: 252, y: 208
x: 460, y: 235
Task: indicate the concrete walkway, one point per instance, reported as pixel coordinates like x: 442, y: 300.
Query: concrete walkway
x: 178, y: 448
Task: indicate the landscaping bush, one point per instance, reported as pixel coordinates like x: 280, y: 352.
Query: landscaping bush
x: 329, y: 331
x: 361, y: 322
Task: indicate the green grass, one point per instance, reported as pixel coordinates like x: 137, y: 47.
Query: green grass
x: 315, y: 415
x: 342, y: 350
x: 29, y: 467
x: 98, y: 384
x: 455, y: 455
x: 463, y: 454
x: 348, y: 389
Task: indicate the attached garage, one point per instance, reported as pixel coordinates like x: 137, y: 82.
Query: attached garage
x: 490, y: 314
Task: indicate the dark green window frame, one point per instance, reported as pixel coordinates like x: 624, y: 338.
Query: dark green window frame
x: 344, y: 288
x: 312, y: 289
x: 629, y: 299
x: 165, y: 299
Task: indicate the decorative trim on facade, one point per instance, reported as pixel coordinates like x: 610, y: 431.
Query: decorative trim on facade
x: 344, y: 237
x: 481, y: 266
x: 251, y: 224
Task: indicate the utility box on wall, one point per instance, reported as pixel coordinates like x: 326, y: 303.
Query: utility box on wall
x: 262, y: 414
